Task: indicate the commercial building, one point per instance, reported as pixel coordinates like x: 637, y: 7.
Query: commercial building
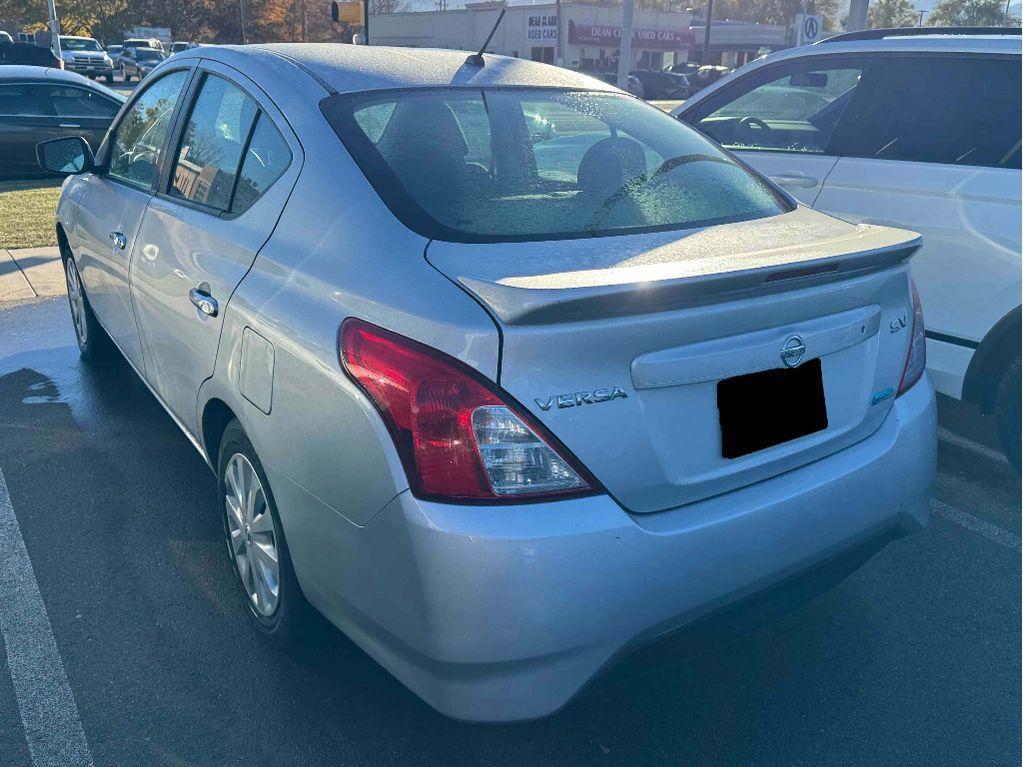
x: 589, y: 35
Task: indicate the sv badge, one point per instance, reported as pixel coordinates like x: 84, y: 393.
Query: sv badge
x: 897, y: 324
x: 581, y: 398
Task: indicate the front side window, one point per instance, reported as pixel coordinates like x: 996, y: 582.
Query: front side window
x: 958, y: 111
x: 212, y: 144
x: 65, y: 101
x: 529, y: 164
x: 138, y: 143
x: 793, y: 107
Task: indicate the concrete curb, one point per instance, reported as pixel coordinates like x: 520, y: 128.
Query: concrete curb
x: 30, y: 273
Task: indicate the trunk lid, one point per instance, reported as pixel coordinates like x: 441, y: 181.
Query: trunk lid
x: 663, y: 318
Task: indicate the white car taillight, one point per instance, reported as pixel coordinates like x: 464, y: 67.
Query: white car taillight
x: 460, y: 438
x: 916, y: 358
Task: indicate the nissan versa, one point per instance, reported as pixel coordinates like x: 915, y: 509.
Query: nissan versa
x: 502, y: 370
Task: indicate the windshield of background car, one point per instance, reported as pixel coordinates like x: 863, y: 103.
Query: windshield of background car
x: 70, y: 44
x: 149, y: 56
x: 512, y: 164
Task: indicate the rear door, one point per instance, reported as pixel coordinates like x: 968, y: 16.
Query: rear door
x: 22, y: 120
x: 784, y: 119
x: 77, y: 111
x: 938, y: 151
x: 234, y: 163
x: 111, y: 207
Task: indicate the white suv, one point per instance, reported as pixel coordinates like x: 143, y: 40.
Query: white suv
x: 912, y: 129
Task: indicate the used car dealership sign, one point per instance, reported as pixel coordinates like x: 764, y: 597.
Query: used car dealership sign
x: 648, y: 38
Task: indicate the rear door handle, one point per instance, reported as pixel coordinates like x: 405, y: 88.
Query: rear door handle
x: 795, y: 179
x: 119, y: 240
x: 68, y: 125
x: 203, y: 301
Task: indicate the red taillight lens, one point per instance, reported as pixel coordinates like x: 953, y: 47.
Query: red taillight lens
x: 916, y: 358
x: 459, y: 438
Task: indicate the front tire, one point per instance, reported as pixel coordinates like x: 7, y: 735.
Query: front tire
x: 109, y: 77
x: 255, y: 542
x: 1008, y: 414
x: 94, y: 345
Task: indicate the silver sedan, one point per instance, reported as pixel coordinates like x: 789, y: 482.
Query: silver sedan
x: 500, y: 369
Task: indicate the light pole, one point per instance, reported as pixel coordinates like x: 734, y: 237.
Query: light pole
x: 625, y: 45
x: 242, y: 3
x: 704, y: 59
x: 54, y: 29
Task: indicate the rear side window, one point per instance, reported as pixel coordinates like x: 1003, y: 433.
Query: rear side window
x: 212, y: 144
x: 793, y: 107
x: 266, y: 159
x: 19, y: 99
x: 515, y: 164
x: 958, y: 111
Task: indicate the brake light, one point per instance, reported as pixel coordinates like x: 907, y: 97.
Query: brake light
x: 916, y: 357
x: 459, y: 437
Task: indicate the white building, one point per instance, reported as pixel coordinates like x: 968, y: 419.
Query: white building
x: 589, y: 34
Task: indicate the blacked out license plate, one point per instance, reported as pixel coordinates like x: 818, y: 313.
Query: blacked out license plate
x: 760, y: 410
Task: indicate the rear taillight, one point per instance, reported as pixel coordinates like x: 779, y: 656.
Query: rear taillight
x: 916, y: 358
x: 459, y: 437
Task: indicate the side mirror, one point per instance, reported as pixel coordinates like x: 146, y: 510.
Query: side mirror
x: 65, y: 156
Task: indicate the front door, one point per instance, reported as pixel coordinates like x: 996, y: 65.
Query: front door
x: 111, y: 208
x: 782, y: 119
x: 232, y: 173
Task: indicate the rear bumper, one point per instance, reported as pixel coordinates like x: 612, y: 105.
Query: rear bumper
x: 497, y: 614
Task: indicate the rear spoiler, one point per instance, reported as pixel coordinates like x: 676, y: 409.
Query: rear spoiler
x: 562, y: 298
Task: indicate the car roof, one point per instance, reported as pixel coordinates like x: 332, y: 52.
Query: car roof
x: 25, y: 72
x: 355, y: 68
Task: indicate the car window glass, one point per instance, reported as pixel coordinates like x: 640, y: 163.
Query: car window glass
x: 266, y: 159
x: 20, y: 99
x: 138, y: 143
x: 77, y: 102
x: 963, y: 111
x: 541, y: 163
x: 212, y: 144
x: 793, y: 108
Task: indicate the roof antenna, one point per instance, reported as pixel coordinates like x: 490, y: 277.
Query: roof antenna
x: 476, y: 59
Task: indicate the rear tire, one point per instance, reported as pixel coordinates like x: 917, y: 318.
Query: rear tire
x: 109, y: 78
x: 254, y: 538
x: 94, y: 345
x: 1009, y: 413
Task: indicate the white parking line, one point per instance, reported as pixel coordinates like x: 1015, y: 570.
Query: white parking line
x: 49, y: 715
x: 992, y: 532
x: 946, y: 435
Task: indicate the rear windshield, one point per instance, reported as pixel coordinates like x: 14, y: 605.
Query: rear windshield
x: 512, y: 164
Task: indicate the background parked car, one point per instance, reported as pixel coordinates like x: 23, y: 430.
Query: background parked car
x: 114, y: 52
x: 635, y: 87
x: 86, y: 57
x: 662, y: 85
x: 920, y: 132
x: 37, y: 104
x: 5, y: 37
x: 144, y: 42
x: 29, y: 54
x: 139, y: 62
x: 181, y: 45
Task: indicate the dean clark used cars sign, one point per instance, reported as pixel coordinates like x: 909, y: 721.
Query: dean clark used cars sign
x: 542, y: 27
x: 609, y: 34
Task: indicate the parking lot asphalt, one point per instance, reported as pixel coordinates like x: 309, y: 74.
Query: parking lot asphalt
x: 115, y: 585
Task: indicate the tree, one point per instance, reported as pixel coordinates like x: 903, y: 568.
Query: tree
x: 884, y: 14
x: 780, y: 12
x: 968, y: 13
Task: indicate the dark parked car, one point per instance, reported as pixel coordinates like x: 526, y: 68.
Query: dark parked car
x: 635, y: 87
x: 139, y: 62
x: 38, y: 104
x: 30, y: 54
x: 662, y: 85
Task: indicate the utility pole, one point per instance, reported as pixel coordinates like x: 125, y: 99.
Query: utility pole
x: 705, y: 59
x: 625, y: 44
x: 54, y: 29
x: 365, y: 22
x: 921, y: 22
x: 244, y: 39
x: 1005, y: 21
x: 304, y: 22
x: 558, y: 58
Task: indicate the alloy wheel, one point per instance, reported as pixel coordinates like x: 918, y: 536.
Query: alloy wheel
x: 252, y: 535
x: 76, y: 299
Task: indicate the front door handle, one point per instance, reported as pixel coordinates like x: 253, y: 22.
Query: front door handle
x: 68, y: 125
x: 119, y: 240
x: 795, y: 179
x: 203, y: 301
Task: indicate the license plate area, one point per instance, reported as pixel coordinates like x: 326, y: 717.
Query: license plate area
x: 760, y: 410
